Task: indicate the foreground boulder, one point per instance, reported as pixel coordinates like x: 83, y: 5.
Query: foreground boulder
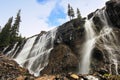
x: 10, y: 70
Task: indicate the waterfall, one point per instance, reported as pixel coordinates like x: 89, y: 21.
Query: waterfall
x: 111, y: 46
x: 109, y: 40
x: 106, y: 37
x: 10, y: 53
x: 87, y: 48
x: 100, y: 36
x: 35, y: 52
x: 5, y: 49
x: 26, y: 50
x: 39, y: 54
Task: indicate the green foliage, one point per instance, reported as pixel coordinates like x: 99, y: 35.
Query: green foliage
x: 5, y: 33
x: 70, y: 12
x: 15, y: 29
x: 78, y: 14
x: 10, y: 33
x: 111, y: 77
x: 107, y: 75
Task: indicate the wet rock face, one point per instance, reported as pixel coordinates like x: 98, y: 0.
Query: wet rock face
x: 70, y: 31
x: 65, y: 54
x: 101, y: 57
x: 113, y: 11
x: 101, y: 60
x: 61, y: 60
x: 64, y: 57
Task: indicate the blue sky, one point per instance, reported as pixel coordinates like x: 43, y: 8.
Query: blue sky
x: 38, y: 15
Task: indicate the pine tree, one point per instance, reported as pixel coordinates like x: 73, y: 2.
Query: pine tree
x: 78, y: 14
x: 5, y: 33
x: 69, y: 11
x: 15, y: 28
x: 72, y: 12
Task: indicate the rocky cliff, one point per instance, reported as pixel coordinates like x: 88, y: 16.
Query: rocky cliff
x: 59, y: 51
x: 72, y: 35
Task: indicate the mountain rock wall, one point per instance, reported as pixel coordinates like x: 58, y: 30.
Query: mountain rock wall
x: 66, y: 53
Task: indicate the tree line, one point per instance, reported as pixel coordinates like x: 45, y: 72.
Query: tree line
x: 10, y: 32
x: 71, y: 13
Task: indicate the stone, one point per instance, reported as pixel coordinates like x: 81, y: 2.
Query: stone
x: 20, y: 78
x: 50, y: 77
x: 74, y: 76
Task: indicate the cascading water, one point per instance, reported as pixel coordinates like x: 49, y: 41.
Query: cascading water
x: 35, y: 52
x: 25, y: 51
x: 10, y: 53
x: 109, y: 41
x: 111, y: 46
x: 38, y: 57
x: 87, y: 48
x: 106, y: 37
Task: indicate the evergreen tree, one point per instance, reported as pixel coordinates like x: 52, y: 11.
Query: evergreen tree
x: 72, y: 12
x: 5, y: 33
x: 69, y: 11
x: 15, y: 28
x: 78, y: 14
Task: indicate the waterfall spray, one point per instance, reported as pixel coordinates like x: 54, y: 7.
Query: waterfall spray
x: 106, y: 36
x: 87, y: 48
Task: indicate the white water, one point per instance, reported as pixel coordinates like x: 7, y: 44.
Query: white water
x: 87, y: 48
x: 5, y: 49
x: 38, y: 58
x: 9, y: 54
x: 34, y: 55
x: 90, y: 77
x: 106, y: 37
x: 111, y: 46
x: 25, y: 51
x: 110, y: 42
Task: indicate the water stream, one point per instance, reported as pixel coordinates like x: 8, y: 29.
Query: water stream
x: 108, y: 39
x: 87, y: 48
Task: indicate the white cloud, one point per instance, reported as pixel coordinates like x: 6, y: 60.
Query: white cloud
x: 35, y: 17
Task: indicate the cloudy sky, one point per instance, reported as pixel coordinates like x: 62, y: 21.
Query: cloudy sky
x: 37, y: 15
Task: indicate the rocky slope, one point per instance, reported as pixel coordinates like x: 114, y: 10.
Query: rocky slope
x: 10, y: 70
